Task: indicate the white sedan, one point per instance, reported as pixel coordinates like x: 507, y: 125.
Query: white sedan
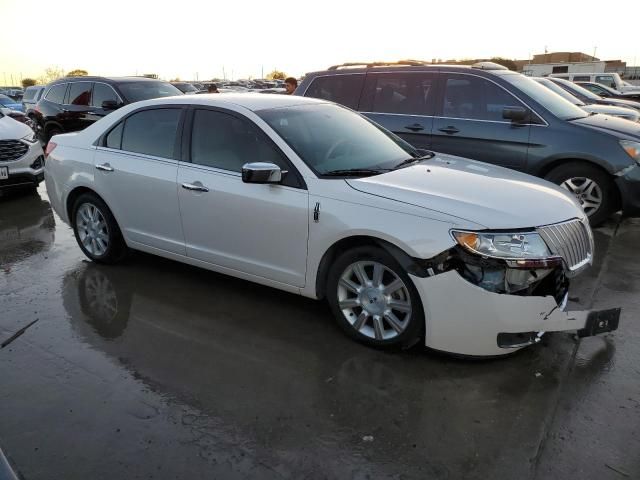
x: 309, y: 197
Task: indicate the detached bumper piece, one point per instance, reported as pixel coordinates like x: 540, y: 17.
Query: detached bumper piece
x: 602, y: 321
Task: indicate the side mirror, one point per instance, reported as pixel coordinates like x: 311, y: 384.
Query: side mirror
x: 515, y: 114
x: 261, y: 172
x: 110, y: 105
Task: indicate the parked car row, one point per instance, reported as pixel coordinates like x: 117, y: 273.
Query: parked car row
x: 611, y: 80
x: 307, y: 196
x: 500, y: 117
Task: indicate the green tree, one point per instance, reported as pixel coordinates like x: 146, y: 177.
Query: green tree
x: 78, y: 72
x: 276, y: 75
x: 28, y: 82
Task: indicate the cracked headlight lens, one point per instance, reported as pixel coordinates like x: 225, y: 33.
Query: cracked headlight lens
x: 508, y: 246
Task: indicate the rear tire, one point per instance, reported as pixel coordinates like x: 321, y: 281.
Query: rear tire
x: 96, y: 230
x: 52, y: 132
x: 374, y: 300
x: 593, y: 187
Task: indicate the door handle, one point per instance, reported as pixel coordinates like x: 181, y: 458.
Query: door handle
x: 105, y: 167
x: 450, y: 130
x: 416, y: 127
x: 195, y: 187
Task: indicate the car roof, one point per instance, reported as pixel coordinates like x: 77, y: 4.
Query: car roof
x: 410, y: 68
x: 105, y: 79
x: 250, y: 101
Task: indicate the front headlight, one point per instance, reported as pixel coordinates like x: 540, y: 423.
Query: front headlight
x: 31, y: 138
x: 508, y: 246
x: 632, y: 149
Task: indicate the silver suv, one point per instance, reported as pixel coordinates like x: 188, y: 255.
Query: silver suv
x: 21, y: 156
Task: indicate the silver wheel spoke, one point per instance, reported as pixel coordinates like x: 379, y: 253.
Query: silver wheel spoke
x: 360, y: 321
x: 395, y: 323
x: 349, y: 303
x: 393, y: 286
x: 102, y: 245
x: 86, y: 241
x: 399, y: 305
x: 378, y: 327
x: 349, y: 285
x: 358, y: 269
x: 378, y: 273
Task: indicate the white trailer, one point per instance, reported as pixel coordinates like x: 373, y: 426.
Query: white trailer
x: 545, y: 69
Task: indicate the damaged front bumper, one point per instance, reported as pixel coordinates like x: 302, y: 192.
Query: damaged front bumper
x: 466, y: 319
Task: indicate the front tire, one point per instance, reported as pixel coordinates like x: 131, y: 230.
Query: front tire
x: 97, y: 231
x: 593, y: 187
x: 374, y: 300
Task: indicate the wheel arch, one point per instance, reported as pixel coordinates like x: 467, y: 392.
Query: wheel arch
x: 348, y: 243
x: 73, y: 196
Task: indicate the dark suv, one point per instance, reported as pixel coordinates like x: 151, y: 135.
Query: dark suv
x: 74, y: 103
x: 488, y: 113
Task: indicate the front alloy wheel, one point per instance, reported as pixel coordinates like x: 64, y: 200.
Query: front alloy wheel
x: 587, y: 191
x: 374, y: 300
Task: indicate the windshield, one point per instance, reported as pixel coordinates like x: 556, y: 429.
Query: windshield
x: 328, y: 137
x: 554, y: 87
x: 136, y: 91
x: 4, y: 100
x: 578, y: 90
x: 185, y: 87
x: 553, y: 102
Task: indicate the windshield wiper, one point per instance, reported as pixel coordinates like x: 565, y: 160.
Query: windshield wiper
x: 411, y: 160
x: 355, y: 172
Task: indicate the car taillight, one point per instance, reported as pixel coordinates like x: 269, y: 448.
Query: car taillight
x: 50, y: 147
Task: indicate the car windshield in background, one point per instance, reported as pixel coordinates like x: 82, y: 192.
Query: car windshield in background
x: 4, y: 100
x: 330, y: 138
x: 137, y: 91
x: 580, y: 90
x: 553, y: 102
x: 554, y: 87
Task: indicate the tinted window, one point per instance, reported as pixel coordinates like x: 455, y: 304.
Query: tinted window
x: 137, y: 91
x: 80, y: 93
x: 496, y: 99
x: 463, y: 98
x: 344, y: 89
x: 56, y: 93
x: 328, y: 137
x: 114, y: 138
x: 406, y: 93
x: 606, y: 80
x: 29, y: 93
x: 223, y: 141
x: 40, y: 92
x: 581, y: 78
x: 152, y: 132
x: 101, y: 93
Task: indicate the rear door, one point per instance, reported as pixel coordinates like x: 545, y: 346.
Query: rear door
x: 342, y: 88
x: 402, y: 102
x: 136, y: 170
x: 78, y: 106
x: 469, y: 122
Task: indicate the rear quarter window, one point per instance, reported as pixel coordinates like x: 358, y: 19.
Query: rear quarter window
x: 342, y: 89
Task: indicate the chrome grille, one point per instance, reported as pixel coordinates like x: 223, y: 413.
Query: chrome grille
x: 12, y: 150
x: 570, y: 240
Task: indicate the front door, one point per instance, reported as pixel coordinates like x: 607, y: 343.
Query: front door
x: 102, y: 92
x: 136, y: 170
x: 403, y: 103
x: 470, y: 123
x: 260, y: 230
x: 77, y: 106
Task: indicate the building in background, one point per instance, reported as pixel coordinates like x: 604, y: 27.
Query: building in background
x: 570, y: 62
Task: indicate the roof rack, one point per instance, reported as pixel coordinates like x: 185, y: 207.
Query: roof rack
x: 408, y: 63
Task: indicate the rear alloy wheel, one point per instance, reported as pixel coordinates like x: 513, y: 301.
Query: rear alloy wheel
x: 593, y: 188
x: 96, y: 230
x: 374, y: 300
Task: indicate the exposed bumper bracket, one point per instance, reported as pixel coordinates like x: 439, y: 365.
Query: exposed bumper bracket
x: 602, y: 321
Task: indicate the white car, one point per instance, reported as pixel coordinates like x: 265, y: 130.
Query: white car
x: 21, y: 156
x: 309, y: 197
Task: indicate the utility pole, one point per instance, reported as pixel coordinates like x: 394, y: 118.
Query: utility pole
x: 595, y: 49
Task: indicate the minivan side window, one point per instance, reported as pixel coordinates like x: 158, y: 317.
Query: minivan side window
x: 101, y: 93
x: 56, y: 93
x: 226, y: 142
x: 403, y: 93
x: 475, y: 98
x: 80, y: 93
x: 343, y: 89
x: 152, y: 132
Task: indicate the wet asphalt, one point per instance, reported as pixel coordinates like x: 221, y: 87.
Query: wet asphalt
x: 154, y: 369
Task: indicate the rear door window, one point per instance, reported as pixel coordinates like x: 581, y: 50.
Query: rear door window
x: 401, y: 93
x: 342, y: 89
x: 56, y: 93
x: 151, y: 132
x: 80, y: 93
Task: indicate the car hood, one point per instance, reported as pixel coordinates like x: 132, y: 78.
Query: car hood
x: 11, y: 129
x: 611, y: 110
x: 620, y: 102
x: 485, y: 194
x: 614, y: 125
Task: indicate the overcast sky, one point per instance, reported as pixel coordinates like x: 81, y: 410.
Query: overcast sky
x: 182, y: 39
